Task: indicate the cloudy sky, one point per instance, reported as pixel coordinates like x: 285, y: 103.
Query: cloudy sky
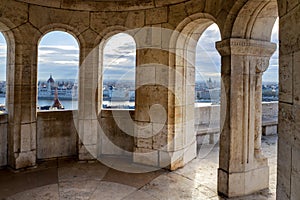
x: 58, y: 55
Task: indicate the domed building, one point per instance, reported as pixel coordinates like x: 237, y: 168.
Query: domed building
x: 151, y: 152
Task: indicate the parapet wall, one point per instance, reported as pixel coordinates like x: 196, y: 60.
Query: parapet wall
x: 209, y: 115
x: 207, y: 121
x: 57, y: 135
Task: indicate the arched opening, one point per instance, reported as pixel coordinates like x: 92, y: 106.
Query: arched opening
x: 270, y: 97
x: 58, y: 64
x: 118, y: 75
x: 198, y: 73
x: 57, y: 95
x: 246, y: 52
x: 3, y: 74
x: 207, y: 87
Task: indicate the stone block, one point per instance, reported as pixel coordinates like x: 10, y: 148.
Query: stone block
x: 3, y: 143
x: 165, y: 159
x: 145, y: 75
x: 269, y: 130
x: 171, y: 160
x: 177, y: 13
x: 296, y: 82
x: 156, y: 16
x: 25, y: 137
x: 291, y: 4
x: 295, y: 176
x: 100, y: 21
x: 190, y: 152
x: 161, y: 74
x: 87, y: 152
x: 135, y: 19
x: 160, y: 138
x: 146, y: 157
x: 13, y: 7
x: 243, y: 183
x: 284, y: 169
x: 25, y: 159
x: 107, y: 147
x: 53, y: 138
x: 195, y: 6
x: 158, y: 114
x: 288, y: 29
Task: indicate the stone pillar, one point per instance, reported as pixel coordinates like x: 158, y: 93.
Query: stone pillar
x: 164, y: 129
x: 242, y: 168
x: 22, y: 90
x: 89, y: 84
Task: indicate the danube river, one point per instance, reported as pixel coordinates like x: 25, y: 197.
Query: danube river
x: 73, y: 105
x: 68, y: 104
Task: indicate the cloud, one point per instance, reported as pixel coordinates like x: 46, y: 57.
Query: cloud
x: 119, y: 58
x: 208, y: 60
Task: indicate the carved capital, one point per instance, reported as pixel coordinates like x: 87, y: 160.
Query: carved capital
x: 262, y: 64
x: 245, y: 47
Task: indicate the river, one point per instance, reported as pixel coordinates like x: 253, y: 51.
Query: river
x: 73, y: 105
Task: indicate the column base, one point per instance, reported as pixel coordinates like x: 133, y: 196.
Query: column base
x: 171, y: 160
x: 23, y: 160
x: 243, y: 183
x: 86, y: 153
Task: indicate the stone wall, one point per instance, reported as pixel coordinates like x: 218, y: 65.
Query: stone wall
x: 288, y: 173
x: 3, y: 140
x: 116, y: 133
x: 56, y: 134
x: 54, y: 140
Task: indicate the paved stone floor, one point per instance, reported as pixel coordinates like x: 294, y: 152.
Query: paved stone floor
x: 67, y: 179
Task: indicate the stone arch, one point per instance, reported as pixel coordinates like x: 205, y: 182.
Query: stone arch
x: 65, y: 28
x: 104, y: 45
x: 182, y: 58
x: 184, y: 40
x: 102, y: 41
x: 107, y: 33
x: 255, y: 20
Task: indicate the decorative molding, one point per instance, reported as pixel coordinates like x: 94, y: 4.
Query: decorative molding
x: 246, y: 47
x: 262, y: 64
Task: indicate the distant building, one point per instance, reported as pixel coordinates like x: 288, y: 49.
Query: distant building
x: 65, y: 90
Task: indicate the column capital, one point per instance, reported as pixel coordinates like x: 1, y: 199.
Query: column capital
x: 245, y: 47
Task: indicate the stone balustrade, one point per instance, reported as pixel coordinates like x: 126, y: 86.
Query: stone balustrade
x: 207, y: 122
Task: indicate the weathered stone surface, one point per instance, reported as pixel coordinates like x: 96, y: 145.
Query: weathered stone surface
x: 53, y: 140
x: 3, y: 140
x: 156, y: 16
x: 102, y: 20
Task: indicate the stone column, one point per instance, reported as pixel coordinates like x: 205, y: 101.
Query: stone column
x: 22, y: 86
x: 242, y: 169
x: 164, y: 129
x: 89, y: 84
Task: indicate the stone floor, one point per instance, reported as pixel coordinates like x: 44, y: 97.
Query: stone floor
x: 67, y: 179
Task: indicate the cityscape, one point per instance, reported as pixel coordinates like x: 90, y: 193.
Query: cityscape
x: 63, y: 94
